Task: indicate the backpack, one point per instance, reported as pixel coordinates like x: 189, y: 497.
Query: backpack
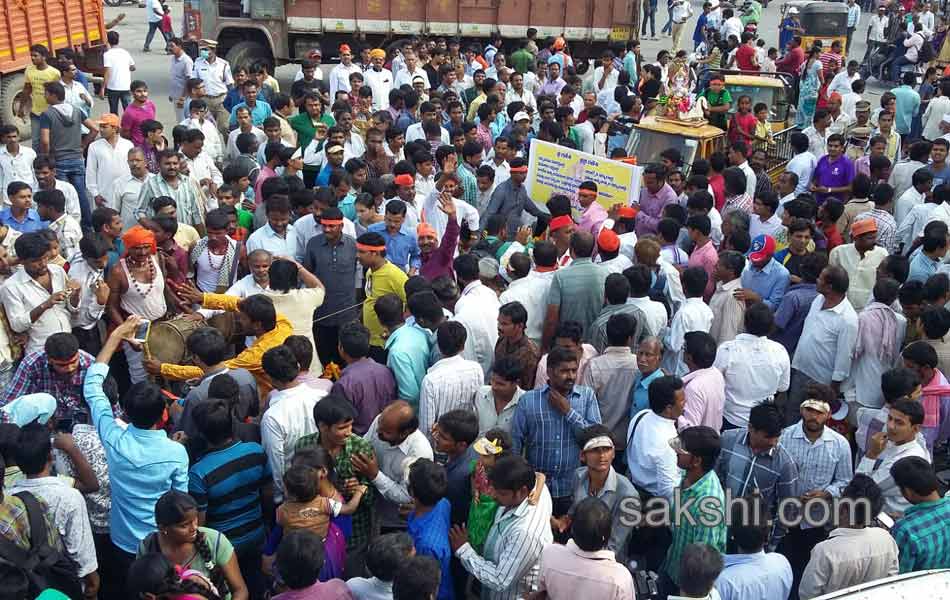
x: 926, y: 53
x: 487, y: 249
x: 24, y: 574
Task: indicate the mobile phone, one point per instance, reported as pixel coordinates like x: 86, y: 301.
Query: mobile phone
x: 141, y: 332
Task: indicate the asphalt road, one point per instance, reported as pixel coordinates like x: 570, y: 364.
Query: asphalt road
x: 153, y: 67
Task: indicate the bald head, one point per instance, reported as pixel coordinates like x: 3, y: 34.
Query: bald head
x: 397, y: 422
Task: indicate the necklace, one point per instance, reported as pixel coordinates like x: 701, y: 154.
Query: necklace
x: 211, y: 264
x: 151, y: 275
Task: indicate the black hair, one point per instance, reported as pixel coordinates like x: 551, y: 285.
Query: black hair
x: 302, y: 349
x: 333, y: 409
x: 354, y: 339
x: 620, y: 327
x: 898, y: 382
x: 508, y: 368
x: 921, y: 353
x: 450, y: 337
x: 389, y: 310
x: 766, y: 418
x: 33, y: 448
x: 460, y: 424
x: 418, y: 579
x: 759, y: 319
x: 61, y: 346
x: 514, y: 311
x: 915, y: 474
x: 387, y: 554
x: 144, y: 404
x: 172, y: 508
x: 862, y: 487
x: 300, y: 558
x: 885, y: 291
x: 428, y: 481
x: 616, y: 289
x: 662, y: 392
x: 701, y: 347
x: 694, y: 280
x: 31, y: 246
x: 152, y: 573
x: 466, y: 268
x: 591, y: 524
x: 912, y: 408
x: 260, y: 309
x: 512, y: 473
x: 209, y: 345
x: 300, y: 481
x: 214, y: 420
x: 750, y: 526
x: 280, y: 364
x: 700, y: 565
x: 640, y: 278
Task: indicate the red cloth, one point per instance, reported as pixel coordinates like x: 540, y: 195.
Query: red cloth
x: 791, y: 62
x: 138, y: 236
x: 718, y: 185
x: 831, y: 234
x: 745, y: 123
x: 744, y: 56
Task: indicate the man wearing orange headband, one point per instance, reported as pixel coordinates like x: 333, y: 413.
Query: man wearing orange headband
x: 340, y: 75
x: 382, y: 277
x: 593, y: 215
x: 437, y: 258
x: 510, y: 199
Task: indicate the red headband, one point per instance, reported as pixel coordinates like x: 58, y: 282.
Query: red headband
x: 368, y: 248
x: 559, y: 222
x: 404, y: 179
x: 518, y: 170
x: 331, y: 221
x: 586, y: 192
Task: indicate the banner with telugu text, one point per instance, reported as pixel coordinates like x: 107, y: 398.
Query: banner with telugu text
x: 554, y: 169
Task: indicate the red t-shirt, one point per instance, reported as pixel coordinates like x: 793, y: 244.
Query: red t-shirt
x: 742, y: 122
x: 744, y: 56
x: 718, y: 185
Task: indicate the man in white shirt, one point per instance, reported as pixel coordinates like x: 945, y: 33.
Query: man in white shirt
x: 531, y: 290
x: 731, y: 24
x: 902, y: 175
x: 38, y: 299
x: 655, y: 316
x: 197, y: 119
x: 737, y: 158
x: 398, y: 443
x: 605, y: 76
x: 277, y: 236
x: 877, y: 26
x: 452, y: 382
x: 936, y: 109
x: 379, y: 79
x: 428, y: 113
x: 650, y: 458
x: 477, y: 309
x: 754, y: 367
x: 818, y: 132
x: 200, y: 165
x: 843, y: 80
x: 289, y: 415
x: 215, y: 72
x: 107, y: 160
x: 885, y: 448
x: 125, y: 191
x: 16, y: 160
x: 340, y: 75
x: 117, y: 78
x: 680, y: 12
x: 405, y: 76
x: 803, y: 163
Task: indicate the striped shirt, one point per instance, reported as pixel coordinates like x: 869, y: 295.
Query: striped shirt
x: 548, y: 439
x: 923, y: 536
x: 772, y: 474
x: 691, y: 529
x: 430, y: 536
x: 226, y: 483
x: 822, y: 465
x: 449, y: 384
x: 508, y: 568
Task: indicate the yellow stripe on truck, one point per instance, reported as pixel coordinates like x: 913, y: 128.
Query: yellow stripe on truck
x: 78, y: 38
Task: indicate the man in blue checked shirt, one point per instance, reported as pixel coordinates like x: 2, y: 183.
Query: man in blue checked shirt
x: 402, y: 246
x: 547, y: 422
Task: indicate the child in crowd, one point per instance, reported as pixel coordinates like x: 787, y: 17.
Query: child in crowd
x: 763, y: 131
x: 430, y: 520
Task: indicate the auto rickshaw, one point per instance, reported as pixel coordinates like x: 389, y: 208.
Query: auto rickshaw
x: 773, y: 89
x: 824, y: 21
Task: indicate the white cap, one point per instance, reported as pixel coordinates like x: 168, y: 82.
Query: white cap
x: 521, y: 116
x: 793, y: 11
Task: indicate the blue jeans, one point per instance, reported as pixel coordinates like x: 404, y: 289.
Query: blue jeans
x: 668, y: 28
x: 74, y: 172
x: 649, y: 13
x: 899, y: 62
x: 116, y: 96
x: 153, y: 26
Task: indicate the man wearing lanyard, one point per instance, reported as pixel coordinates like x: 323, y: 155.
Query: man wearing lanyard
x: 215, y: 72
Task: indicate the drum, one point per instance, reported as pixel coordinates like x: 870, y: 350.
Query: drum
x: 228, y: 324
x: 167, y: 340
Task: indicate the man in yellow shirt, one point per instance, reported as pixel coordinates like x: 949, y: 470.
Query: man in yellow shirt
x: 382, y: 277
x: 37, y: 75
x: 260, y: 320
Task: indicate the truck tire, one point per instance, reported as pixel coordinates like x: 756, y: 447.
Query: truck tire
x: 247, y: 54
x: 10, y: 87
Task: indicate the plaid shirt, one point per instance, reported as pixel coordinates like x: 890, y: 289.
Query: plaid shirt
x: 35, y: 375
x: 923, y: 536
x: 15, y: 523
x: 772, y: 474
x: 687, y: 532
x: 886, y: 228
x: 469, y: 183
x: 363, y: 517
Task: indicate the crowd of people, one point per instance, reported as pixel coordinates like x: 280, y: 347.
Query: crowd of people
x: 321, y: 344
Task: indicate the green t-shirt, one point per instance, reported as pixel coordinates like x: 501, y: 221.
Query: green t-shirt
x: 714, y: 99
x: 522, y: 61
x: 245, y: 219
x: 221, y: 552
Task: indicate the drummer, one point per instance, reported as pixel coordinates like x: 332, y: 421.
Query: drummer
x: 255, y: 282
x: 259, y: 319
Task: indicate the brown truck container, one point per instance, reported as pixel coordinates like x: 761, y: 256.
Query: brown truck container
x: 56, y: 24
x: 280, y: 31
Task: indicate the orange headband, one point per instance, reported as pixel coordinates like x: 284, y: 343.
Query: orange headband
x: 331, y: 221
x: 69, y: 360
x: 138, y: 236
x: 518, y: 170
x: 368, y: 248
x: 404, y: 179
x: 559, y: 222
x: 586, y: 192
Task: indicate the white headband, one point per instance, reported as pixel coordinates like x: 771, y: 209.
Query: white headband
x: 601, y: 441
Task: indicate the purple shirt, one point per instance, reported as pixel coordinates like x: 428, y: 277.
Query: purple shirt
x: 369, y: 386
x: 833, y: 174
x: 651, y: 208
x: 791, y: 313
x: 552, y: 88
x: 132, y: 120
x: 439, y: 262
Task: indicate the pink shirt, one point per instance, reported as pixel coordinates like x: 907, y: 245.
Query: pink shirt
x: 569, y: 572
x: 335, y: 589
x: 592, y: 218
x: 132, y: 119
x: 706, y: 257
x: 705, y: 391
x: 265, y: 174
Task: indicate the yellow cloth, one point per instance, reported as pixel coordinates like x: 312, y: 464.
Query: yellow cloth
x: 250, y: 359
x: 388, y: 279
x: 186, y: 236
x: 473, y: 107
x: 37, y: 78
